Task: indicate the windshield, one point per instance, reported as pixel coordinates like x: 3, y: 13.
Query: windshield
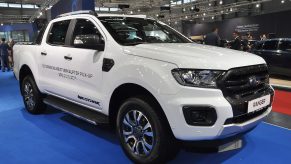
x: 132, y: 31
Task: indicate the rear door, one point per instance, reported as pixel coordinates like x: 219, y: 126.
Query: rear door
x: 284, y: 57
x: 52, y: 62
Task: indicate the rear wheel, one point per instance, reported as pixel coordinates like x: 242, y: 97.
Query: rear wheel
x: 143, y: 134
x: 32, y: 98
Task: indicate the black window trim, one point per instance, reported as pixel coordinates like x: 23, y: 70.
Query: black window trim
x: 67, y: 34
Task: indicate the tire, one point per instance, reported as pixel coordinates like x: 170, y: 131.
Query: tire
x: 32, y: 98
x: 150, y: 132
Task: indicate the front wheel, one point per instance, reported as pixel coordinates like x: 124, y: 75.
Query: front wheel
x: 143, y: 134
x: 32, y: 97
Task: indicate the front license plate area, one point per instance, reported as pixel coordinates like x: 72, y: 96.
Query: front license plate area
x: 258, y: 103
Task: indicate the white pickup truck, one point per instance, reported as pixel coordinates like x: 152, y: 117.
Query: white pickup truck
x: 152, y: 83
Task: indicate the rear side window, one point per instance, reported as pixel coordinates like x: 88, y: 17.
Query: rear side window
x: 270, y: 45
x: 285, y: 45
x: 57, y: 34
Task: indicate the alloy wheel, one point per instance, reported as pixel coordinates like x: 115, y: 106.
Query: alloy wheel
x: 138, y: 133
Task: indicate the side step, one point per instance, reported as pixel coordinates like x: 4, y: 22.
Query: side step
x: 78, y: 111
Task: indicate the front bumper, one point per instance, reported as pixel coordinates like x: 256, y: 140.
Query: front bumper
x: 173, y: 105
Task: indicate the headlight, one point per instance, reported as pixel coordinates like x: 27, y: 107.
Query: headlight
x: 197, y: 78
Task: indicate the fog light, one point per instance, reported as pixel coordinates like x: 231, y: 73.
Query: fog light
x: 200, y: 115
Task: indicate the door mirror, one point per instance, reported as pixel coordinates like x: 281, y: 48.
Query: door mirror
x: 92, y: 41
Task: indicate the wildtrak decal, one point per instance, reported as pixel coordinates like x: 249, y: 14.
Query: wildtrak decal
x: 88, y: 100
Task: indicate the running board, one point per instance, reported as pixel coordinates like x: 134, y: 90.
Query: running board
x: 78, y: 111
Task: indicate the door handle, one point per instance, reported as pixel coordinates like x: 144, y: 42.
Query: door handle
x: 43, y: 53
x: 68, y: 57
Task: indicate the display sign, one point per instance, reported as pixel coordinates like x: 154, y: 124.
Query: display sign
x: 64, y: 6
x: 256, y: 25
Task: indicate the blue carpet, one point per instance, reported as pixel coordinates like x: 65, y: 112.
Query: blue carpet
x: 55, y: 137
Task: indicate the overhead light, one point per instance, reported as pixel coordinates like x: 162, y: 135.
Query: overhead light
x: 186, y: 17
x: 131, y: 12
x: 220, y: 2
x: 183, y: 9
x: 2, y: 24
x: 209, y: 4
x: 282, y: 1
x: 157, y: 15
x: 40, y: 13
x: 176, y: 22
x: 204, y: 14
x: 212, y: 17
x: 203, y: 19
x: 138, y: 10
x: 230, y: 9
x: 192, y: 8
x: 258, y: 5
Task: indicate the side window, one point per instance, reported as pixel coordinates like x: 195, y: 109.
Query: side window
x: 86, y: 35
x: 259, y: 45
x: 285, y: 45
x: 270, y: 45
x: 57, y: 34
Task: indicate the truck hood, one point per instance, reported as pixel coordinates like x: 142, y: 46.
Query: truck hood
x: 196, y: 56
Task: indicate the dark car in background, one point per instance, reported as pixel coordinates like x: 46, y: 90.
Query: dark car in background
x: 277, y: 53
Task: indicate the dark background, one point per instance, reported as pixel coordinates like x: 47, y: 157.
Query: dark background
x: 278, y: 23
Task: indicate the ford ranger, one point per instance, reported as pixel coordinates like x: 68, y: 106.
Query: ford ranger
x: 150, y: 82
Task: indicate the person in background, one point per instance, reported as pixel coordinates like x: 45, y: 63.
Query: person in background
x: 4, y: 55
x: 264, y: 37
x: 236, y: 43
x: 212, y: 38
x: 10, y: 50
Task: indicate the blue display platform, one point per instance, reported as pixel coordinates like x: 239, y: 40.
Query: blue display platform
x: 58, y: 138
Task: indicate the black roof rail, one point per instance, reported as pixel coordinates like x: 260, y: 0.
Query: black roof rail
x: 90, y: 12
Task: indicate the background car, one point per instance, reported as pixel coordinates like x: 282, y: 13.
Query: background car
x: 277, y: 53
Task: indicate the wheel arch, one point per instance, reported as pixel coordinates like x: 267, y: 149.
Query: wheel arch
x: 127, y: 90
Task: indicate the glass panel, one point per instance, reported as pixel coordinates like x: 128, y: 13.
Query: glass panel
x: 28, y: 6
x: 285, y: 45
x: 104, y: 9
x: 57, y: 35
x: 14, y: 5
x: 3, y: 4
x: 270, y: 45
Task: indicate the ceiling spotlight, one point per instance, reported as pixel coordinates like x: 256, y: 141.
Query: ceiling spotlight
x: 221, y: 11
x: 192, y: 8
x: 258, y: 5
x: 209, y: 4
x: 183, y: 9
x: 230, y: 10
x: 220, y: 2
x: 176, y: 22
x: 157, y: 15
x: 2, y: 24
x: 131, y: 12
x: 203, y: 19
x: 204, y: 14
x: 212, y: 17
x: 283, y: 1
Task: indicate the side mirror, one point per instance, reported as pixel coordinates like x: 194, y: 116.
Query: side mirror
x: 94, y: 42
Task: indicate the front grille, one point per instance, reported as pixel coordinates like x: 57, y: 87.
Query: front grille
x: 241, y: 85
x: 236, y: 82
x: 245, y: 117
